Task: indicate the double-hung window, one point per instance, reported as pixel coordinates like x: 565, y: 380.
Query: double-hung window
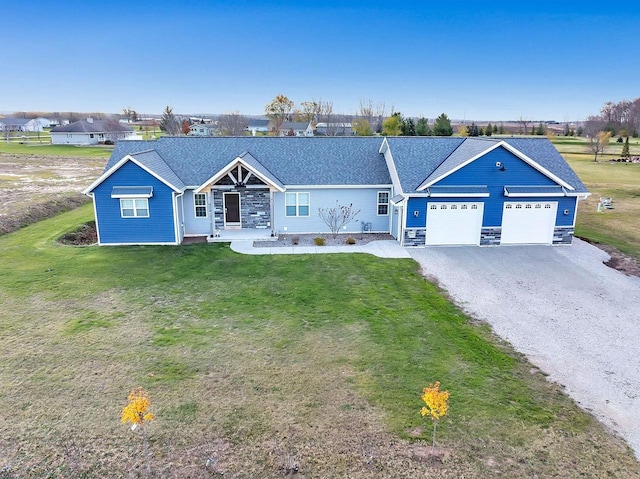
x: 296, y: 204
x: 383, y: 203
x: 200, y: 205
x: 134, y: 208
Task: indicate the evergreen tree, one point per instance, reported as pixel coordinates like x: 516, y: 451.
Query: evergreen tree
x: 533, y: 130
x: 169, y: 123
x: 501, y: 129
x: 488, y: 130
x: 422, y: 127
x: 442, y: 126
x: 481, y: 131
x: 580, y: 131
x: 473, y: 130
x: 542, y: 129
x: 408, y: 127
x: 625, y: 148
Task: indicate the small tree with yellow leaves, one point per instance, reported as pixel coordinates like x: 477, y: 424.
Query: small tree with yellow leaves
x: 436, y: 405
x: 137, y: 413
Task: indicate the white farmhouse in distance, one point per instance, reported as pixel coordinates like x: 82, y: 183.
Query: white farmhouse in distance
x: 92, y: 132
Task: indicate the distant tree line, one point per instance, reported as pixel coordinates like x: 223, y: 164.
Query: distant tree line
x: 622, y: 119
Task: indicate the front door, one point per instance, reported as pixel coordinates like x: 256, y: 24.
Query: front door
x: 231, y: 209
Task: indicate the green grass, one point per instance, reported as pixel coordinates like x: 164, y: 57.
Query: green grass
x: 55, y: 150
x: 260, y: 360
x: 621, y: 181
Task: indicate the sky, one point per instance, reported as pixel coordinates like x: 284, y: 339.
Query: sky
x: 473, y: 60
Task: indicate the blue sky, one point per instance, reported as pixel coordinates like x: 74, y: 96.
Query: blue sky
x: 482, y: 60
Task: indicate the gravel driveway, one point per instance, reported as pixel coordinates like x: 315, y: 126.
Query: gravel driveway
x: 573, y: 317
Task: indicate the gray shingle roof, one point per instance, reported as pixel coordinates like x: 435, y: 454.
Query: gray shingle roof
x: 154, y: 162
x: 416, y: 157
x: 291, y: 161
x: 98, y: 126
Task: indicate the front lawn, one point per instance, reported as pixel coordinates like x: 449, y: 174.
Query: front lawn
x: 259, y: 366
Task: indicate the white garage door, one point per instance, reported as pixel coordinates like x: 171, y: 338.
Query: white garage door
x: 528, y: 222
x: 454, y: 223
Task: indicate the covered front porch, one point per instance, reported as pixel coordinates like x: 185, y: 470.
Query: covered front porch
x: 229, y: 235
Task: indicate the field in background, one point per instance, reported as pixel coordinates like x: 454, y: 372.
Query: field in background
x: 619, y: 227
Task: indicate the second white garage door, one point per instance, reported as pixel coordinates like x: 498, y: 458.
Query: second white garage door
x: 528, y: 222
x: 454, y: 223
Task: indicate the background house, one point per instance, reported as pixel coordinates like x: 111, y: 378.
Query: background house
x: 19, y: 124
x: 295, y: 128
x: 258, y: 126
x: 201, y: 129
x: 91, y: 132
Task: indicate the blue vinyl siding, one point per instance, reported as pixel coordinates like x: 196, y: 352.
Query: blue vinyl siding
x: 483, y: 171
x: 364, y: 199
x: 159, y: 227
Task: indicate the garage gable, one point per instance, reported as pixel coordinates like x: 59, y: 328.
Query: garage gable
x: 498, y: 164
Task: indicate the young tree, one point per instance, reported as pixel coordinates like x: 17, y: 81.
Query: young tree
x: 392, y: 126
x: 233, y: 124
x: 169, y: 123
x: 625, y: 148
x: 463, y: 130
x: 436, y: 405
x: 501, y: 129
x: 422, y: 127
x: 278, y: 111
x: 337, y: 217
x: 361, y: 127
x: 598, y: 142
x: 524, y: 125
x: 541, y: 130
x: 137, y: 413
x: 442, y: 126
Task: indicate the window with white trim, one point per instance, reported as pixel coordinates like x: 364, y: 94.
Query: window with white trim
x: 383, y: 203
x: 134, y: 208
x: 200, y: 205
x: 296, y: 204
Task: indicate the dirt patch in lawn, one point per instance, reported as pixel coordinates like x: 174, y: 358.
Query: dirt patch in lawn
x: 35, y: 187
x: 620, y: 261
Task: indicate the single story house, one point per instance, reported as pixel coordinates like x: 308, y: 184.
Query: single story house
x: 202, y: 129
x: 258, y: 125
x: 334, y: 129
x: 422, y: 190
x: 91, y: 132
x: 295, y: 128
x: 19, y: 124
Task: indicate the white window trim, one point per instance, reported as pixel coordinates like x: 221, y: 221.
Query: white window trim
x: 135, y: 209
x: 196, y: 206
x: 387, y: 204
x: 297, y: 205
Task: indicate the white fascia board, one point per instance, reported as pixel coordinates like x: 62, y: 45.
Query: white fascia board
x: 117, y: 166
x: 385, y: 149
x: 228, y: 167
x: 536, y: 165
x: 512, y: 150
x: 334, y: 187
x: 459, y: 195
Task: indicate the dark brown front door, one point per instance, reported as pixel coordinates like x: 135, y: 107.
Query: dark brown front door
x: 232, y: 208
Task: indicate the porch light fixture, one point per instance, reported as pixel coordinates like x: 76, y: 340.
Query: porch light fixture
x: 416, y: 213
x: 500, y: 166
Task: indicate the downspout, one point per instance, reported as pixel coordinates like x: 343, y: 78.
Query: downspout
x: 211, y: 215
x: 179, y: 225
x: 272, y: 212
